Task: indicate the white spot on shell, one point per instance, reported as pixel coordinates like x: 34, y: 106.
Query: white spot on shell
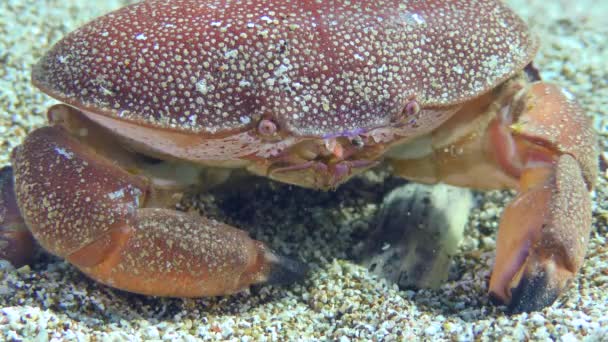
x: 567, y: 94
x: 201, y: 87
x: 117, y: 194
x: 231, y: 54
x: 63, y: 152
x: 418, y: 18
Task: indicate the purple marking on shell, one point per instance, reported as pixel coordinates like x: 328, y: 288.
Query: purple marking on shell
x: 347, y: 134
x: 267, y: 127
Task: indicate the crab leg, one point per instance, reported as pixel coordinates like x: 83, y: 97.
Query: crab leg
x: 16, y: 242
x: 534, y: 138
x: 103, y: 217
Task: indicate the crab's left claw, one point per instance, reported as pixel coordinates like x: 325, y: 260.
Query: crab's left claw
x: 543, y: 233
x: 542, y: 237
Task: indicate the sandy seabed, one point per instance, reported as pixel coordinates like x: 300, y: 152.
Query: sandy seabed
x: 339, y: 300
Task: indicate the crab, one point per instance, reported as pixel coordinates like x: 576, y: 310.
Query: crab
x: 163, y: 97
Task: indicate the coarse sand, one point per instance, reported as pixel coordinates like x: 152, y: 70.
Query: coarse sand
x: 339, y: 300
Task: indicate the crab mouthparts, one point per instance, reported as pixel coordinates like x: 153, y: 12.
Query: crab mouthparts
x: 319, y: 175
x: 324, y: 163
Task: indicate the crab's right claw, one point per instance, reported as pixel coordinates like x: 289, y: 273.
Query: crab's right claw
x: 543, y: 233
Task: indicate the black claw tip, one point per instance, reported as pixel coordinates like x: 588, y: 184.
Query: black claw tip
x: 495, y: 300
x: 285, y: 271
x: 533, y: 293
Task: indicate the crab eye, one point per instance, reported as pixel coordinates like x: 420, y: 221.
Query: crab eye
x: 267, y: 127
x: 412, y: 108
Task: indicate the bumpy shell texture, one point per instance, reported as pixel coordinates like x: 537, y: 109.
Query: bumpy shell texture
x: 315, y: 67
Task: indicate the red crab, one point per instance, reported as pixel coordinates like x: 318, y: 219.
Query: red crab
x: 304, y: 92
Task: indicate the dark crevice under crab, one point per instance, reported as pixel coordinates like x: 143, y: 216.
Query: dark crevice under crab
x: 304, y: 92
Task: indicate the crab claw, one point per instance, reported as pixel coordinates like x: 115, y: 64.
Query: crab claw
x: 103, y: 216
x: 542, y: 237
x: 543, y: 233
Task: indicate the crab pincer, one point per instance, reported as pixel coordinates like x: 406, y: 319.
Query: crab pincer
x: 109, y: 219
x: 543, y: 233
